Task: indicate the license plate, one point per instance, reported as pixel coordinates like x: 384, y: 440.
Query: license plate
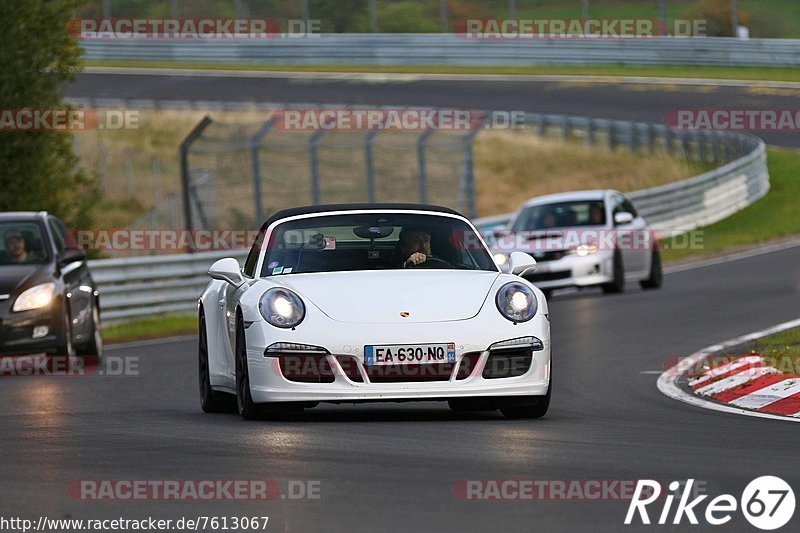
x: 409, y: 354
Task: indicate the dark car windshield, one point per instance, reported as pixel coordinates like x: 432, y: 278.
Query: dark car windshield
x: 562, y: 215
x: 22, y: 243
x: 337, y: 243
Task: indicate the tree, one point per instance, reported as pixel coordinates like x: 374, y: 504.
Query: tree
x: 38, y: 170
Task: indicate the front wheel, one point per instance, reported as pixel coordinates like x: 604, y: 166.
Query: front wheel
x: 245, y: 406
x: 537, y: 408
x: 617, y: 285
x: 92, y: 350
x: 210, y: 400
x: 656, y: 278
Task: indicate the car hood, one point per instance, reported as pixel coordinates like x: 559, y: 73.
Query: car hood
x: 380, y: 297
x: 13, y: 277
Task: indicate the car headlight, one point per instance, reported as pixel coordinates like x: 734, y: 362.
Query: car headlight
x: 500, y: 259
x: 36, y: 297
x: 517, y: 302
x: 586, y: 249
x: 282, y: 308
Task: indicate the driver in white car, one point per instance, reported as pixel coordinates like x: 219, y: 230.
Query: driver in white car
x: 414, y: 245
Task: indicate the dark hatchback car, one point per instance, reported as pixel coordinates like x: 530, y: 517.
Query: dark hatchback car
x: 48, y: 300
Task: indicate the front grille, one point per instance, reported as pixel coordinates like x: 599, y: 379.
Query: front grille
x: 548, y: 276
x: 554, y: 255
x: 306, y: 368
x: 468, y: 363
x: 409, y: 373
x: 349, y: 366
x: 508, y: 363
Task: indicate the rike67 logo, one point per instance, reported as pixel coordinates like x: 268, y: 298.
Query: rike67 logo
x: 767, y: 503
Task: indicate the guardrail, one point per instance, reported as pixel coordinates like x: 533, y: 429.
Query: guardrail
x: 451, y: 49
x: 685, y: 205
x: 142, y: 286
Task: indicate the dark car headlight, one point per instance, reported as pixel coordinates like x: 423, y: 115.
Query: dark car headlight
x: 35, y: 298
x: 517, y: 302
x: 282, y: 308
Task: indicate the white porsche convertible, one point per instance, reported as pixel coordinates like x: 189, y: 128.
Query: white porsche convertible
x: 373, y: 302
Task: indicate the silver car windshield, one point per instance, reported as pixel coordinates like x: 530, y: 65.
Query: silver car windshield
x: 562, y: 215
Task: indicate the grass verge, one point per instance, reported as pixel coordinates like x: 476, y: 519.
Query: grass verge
x: 150, y: 328
x: 735, y: 73
x: 772, y: 217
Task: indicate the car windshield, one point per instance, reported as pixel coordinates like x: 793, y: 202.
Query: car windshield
x: 562, y: 215
x: 374, y: 241
x: 21, y: 243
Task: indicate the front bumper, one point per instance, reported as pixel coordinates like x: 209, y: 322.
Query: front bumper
x: 268, y: 383
x: 17, y: 329
x: 574, y: 271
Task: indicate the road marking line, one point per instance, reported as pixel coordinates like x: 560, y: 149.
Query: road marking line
x: 734, y: 381
x: 667, y: 381
x: 768, y: 395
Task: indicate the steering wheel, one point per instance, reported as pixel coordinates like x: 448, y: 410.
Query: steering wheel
x: 439, y: 263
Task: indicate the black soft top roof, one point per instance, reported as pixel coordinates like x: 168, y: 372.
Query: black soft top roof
x: 314, y: 209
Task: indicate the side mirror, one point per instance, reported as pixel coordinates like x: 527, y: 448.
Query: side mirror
x: 623, y: 217
x: 227, y: 269
x: 520, y: 263
x: 71, y: 256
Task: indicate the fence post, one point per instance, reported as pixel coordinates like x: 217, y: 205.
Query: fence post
x: 633, y: 140
x: 314, y: 155
x: 370, y: 164
x: 423, y: 177
x: 468, y: 175
x: 612, y: 131
x: 255, y: 145
x: 566, y: 129
x: 591, y: 129
x: 702, y: 150
x: 185, y: 178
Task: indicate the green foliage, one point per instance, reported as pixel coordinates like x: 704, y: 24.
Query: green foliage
x: 39, y: 170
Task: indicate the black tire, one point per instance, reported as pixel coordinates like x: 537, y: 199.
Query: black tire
x: 537, y: 407
x: 92, y: 350
x: 656, y: 278
x: 245, y: 406
x: 618, y: 284
x: 210, y: 400
x: 468, y: 405
x: 58, y: 358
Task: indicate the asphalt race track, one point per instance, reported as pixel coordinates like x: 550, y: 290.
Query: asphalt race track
x: 393, y: 466
x: 630, y: 101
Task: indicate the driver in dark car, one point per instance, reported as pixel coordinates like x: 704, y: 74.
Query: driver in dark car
x: 15, y: 247
x: 413, y: 247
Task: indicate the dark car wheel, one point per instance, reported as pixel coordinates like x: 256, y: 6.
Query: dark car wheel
x: 536, y: 408
x: 59, y: 356
x: 618, y: 283
x: 245, y: 406
x: 92, y: 350
x: 210, y: 400
x: 656, y: 278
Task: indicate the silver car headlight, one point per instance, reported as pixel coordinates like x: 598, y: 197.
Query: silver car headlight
x: 36, y: 297
x: 517, y: 302
x: 282, y: 308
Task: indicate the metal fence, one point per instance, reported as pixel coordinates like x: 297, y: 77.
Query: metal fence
x: 235, y: 175
x: 450, y: 49
x: 143, y: 286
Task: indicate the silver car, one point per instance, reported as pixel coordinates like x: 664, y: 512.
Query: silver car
x: 582, y: 239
